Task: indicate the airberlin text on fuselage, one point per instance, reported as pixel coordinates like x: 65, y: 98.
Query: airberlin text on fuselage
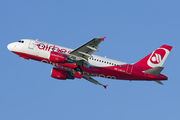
x: 46, y: 47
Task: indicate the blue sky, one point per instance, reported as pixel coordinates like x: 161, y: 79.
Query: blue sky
x: 133, y: 30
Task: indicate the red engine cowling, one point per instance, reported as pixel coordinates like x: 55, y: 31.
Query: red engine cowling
x: 60, y: 74
x: 57, y: 57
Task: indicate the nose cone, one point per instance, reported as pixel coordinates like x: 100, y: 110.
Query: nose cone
x: 10, y: 46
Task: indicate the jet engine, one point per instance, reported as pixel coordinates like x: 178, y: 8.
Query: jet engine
x: 60, y: 74
x: 59, y: 58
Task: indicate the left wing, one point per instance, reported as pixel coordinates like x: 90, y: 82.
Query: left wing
x: 82, y: 53
x: 90, y: 79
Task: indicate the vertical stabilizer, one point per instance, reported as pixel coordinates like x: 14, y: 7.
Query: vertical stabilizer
x: 156, y: 58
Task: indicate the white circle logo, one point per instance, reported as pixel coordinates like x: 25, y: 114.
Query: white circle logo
x: 158, y: 57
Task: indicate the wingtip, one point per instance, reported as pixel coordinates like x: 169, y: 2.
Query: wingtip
x: 105, y: 86
x: 102, y: 38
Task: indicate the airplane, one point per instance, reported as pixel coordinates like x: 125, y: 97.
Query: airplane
x: 81, y: 63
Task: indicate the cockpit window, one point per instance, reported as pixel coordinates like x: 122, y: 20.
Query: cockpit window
x: 21, y: 41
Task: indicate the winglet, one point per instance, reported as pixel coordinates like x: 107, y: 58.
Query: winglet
x: 105, y: 86
x: 102, y: 38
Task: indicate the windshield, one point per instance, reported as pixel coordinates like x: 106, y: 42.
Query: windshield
x: 21, y: 41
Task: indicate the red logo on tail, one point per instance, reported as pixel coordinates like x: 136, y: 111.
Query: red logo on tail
x: 157, y: 56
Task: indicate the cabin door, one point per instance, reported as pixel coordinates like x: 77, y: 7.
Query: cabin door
x: 129, y: 69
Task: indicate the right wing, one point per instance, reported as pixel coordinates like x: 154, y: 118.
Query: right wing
x: 82, y: 53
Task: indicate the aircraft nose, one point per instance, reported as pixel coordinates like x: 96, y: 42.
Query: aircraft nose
x: 10, y: 46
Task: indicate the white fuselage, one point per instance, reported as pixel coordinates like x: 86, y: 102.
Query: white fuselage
x: 98, y: 66
x: 42, y: 49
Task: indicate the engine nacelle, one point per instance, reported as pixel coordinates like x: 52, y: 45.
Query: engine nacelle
x: 60, y: 74
x: 57, y: 57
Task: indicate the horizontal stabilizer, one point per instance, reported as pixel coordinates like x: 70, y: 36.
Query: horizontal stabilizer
x: 154, y: 71
x: 158, y: 81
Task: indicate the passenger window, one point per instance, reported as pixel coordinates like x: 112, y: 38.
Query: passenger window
x: 99, y: 60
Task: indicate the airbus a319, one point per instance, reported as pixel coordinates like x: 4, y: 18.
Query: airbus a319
x: 81, y: 63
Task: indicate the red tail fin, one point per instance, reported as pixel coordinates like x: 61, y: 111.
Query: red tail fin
x: 156, y: 58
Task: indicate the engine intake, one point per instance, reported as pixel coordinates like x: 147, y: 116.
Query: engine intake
x: 60, y: 74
